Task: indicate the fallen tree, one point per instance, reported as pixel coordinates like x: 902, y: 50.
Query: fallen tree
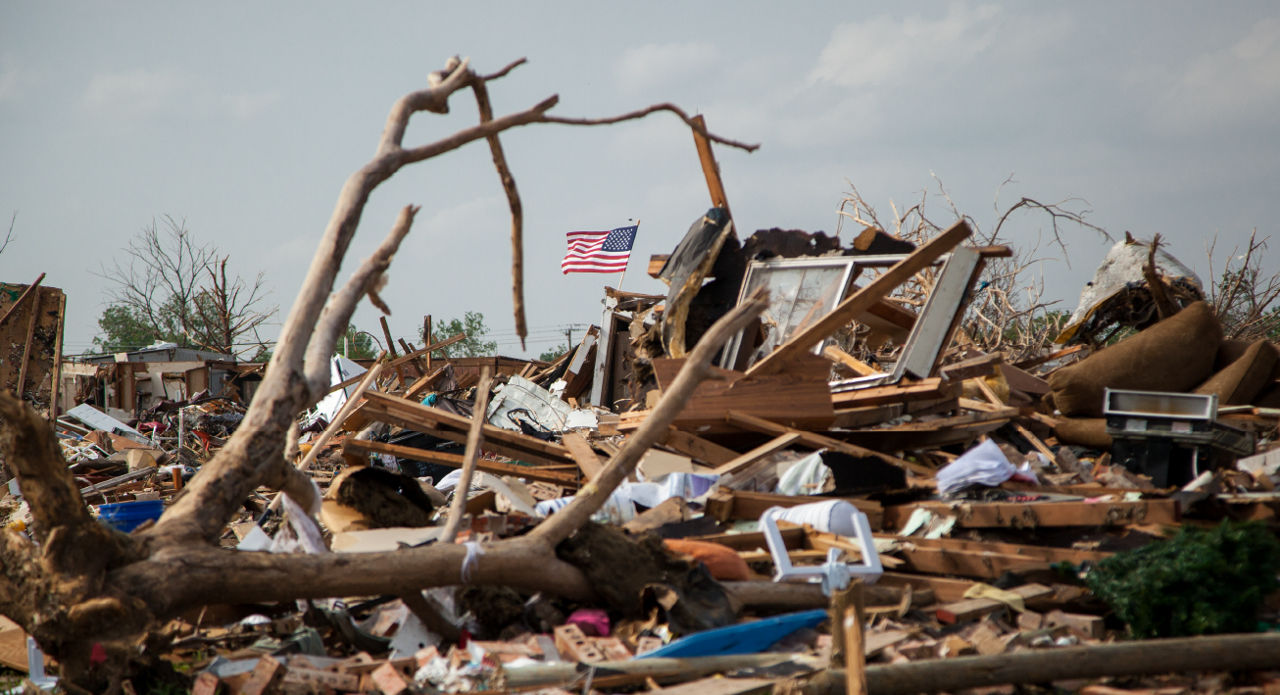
x: 76, y: 582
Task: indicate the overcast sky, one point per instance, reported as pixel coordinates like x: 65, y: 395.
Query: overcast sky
x: 244, y: 120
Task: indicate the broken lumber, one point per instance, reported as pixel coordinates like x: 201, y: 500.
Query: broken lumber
x: 799, y: 398
x: 757, y: 424
x: 862, y: 299
x: 983, y: 560
x: 424, y: 418
x: 974, y: 608
x: 1037, y: 514
x: 364, y: 448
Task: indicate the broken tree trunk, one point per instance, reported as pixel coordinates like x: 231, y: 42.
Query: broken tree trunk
x: 81, y: 583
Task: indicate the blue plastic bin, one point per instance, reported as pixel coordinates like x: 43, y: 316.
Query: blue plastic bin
x: 127, y: 516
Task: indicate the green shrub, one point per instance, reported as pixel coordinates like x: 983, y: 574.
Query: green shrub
x: 1196, y: 583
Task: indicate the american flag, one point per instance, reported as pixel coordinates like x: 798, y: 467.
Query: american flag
x: 598, y: 252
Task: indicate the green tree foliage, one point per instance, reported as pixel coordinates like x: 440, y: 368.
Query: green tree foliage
x: 474, y: 345
x: 356, y: 345
x: 1199, y: 582
x: 123, y: 329
x: 554, y: 353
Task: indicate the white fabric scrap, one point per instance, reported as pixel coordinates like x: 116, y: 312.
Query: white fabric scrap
x: 984, y: 464
x: 804, y: 477
x: 474, y: 551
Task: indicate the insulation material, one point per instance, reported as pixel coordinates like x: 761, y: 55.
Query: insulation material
x: 1118, y: 292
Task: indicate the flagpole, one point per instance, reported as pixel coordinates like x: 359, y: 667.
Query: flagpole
x: 624, y: 268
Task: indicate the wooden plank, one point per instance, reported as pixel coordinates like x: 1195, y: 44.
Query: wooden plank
x: 697, y: 448
x: 800, y: 397
x: 22, y: 298
x: 422, y: 418
x: 428, y: 349
x: 710, y: 169
x: 362, y: 447
x: 772, y: 446
x: 944, y: 589
x: 853, y: 418
x: 13, y: 645
x: 422, y: 384
x: 1031, y: 515
x: 930, y: 434
x: 835, y: 354
x: 933, y: 387
x: 817, y: 441
x: 980, y: 564
x: 1042, y: 552
x: 862, y: 299
x: 974, y: 608
x: 981, y: 365
x: 588, y: 462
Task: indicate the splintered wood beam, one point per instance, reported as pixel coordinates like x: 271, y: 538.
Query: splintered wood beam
x: 974, y: 608
x: 817, y: 441
x: 588, y: 462
x: 697, y: 448
x: 421, y: 418
x: 772, y: 446
x: 984, y: 560
x: 857, y: 366
x: 17, y: 304
x: 933, y: 387
x: 710, y: 169
x: 416, y: 388
x: 1030, y: 515
x: 861, y: 300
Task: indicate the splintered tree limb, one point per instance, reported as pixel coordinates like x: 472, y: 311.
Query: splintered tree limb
x: 1165, y: 307
x: 96, y: 581
x: 641, y: 113
x: 336, y: 316
x: 517, y: 210
x: 173, y: 582
x: 32, y: 452
x: 209, y: 574
x: 696, y: 368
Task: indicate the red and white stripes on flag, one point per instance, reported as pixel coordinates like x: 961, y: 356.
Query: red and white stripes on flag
x: 598, y: 252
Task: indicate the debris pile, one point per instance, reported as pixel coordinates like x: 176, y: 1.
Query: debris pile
x: 801, y: 470
x: 866, y: 455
